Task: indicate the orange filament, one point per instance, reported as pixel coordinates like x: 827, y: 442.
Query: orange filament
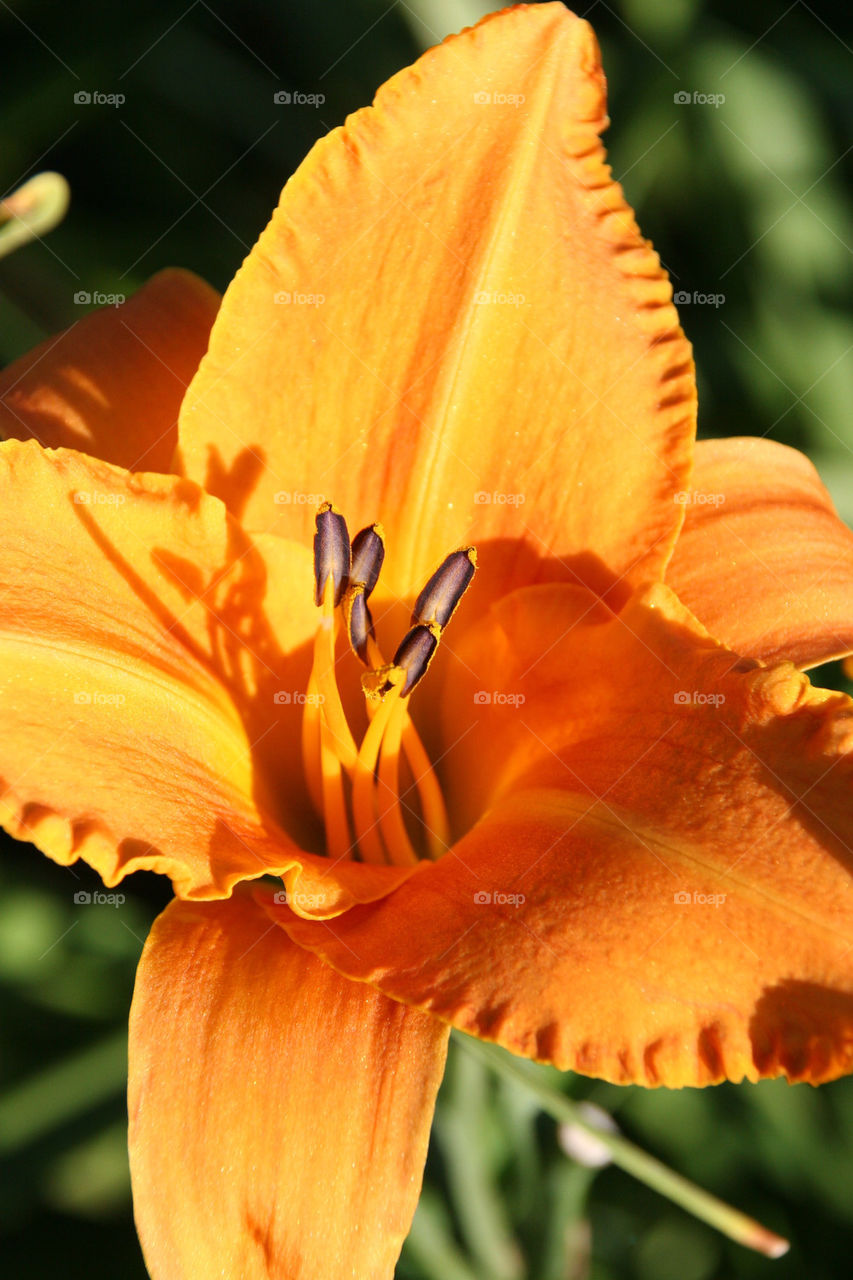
x: 391, y: 821
x: 338, y: 841
x: 433, y: 809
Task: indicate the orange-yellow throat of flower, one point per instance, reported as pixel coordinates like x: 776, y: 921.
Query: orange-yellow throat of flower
x: 356, y: 788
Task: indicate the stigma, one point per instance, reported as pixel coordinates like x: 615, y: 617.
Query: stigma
x: 356, y: 786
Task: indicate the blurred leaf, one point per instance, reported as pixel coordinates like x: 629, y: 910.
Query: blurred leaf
x: 63, y: 1091
x: 93, y: 1178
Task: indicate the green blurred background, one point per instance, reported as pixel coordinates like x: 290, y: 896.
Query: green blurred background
x: 749, y: 199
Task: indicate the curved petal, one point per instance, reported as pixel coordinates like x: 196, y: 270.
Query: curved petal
x: 453, y: 325
x: 143, y: 642
x: 112, y: 384
x: 763, y: 559
x: 279, y: 1114
x: 661, y: 890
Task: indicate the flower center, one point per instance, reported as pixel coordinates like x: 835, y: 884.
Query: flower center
x: 356, y: 788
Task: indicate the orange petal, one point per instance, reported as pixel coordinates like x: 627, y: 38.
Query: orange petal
x: 763, y: 559
x: 279, y: 1114
x: 112, y: 384
x: 143, y: 641
x: 453, y: 325
x: 660, y: 890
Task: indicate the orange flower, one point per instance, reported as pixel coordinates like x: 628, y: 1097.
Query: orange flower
x: 452, y: 326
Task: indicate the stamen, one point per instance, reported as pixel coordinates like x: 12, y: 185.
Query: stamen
x: 342, y: 741
x: 349, y: 573
x: 359, y: 621
x: 331, y: 554
x: 415, y: 653
x: 368, y: 554
x: 437, y: 603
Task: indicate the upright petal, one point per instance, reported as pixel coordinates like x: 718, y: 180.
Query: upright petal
x: 279, y: 1114
x: 659, y: 888
x: 763, y: 559
x: 112, y: 384
x: 452, y: 324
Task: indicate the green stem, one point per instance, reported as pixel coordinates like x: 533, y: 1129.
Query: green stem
x: 731, y: 1222
x: 480, y: 1207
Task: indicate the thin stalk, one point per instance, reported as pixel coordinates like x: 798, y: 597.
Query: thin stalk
x: 731, y: 1222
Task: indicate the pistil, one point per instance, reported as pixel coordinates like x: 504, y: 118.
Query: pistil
x: 364, y: 795
x: 338, y: 842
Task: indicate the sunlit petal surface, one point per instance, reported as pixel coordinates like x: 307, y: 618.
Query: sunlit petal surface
x: 658, y: 889
x: 453, y: 325
x: 279, y: 1114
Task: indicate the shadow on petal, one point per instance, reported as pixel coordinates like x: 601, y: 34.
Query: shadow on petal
x: 804, y: 1031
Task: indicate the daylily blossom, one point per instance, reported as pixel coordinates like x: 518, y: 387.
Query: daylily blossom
x: 609, y: 829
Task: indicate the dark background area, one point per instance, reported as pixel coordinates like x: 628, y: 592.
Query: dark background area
x: 749, y: 200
